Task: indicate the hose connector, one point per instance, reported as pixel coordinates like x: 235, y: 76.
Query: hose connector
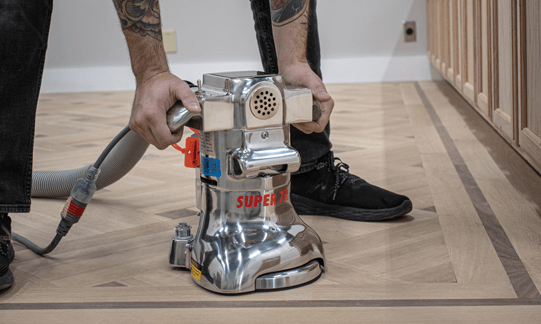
x: 80, y: 196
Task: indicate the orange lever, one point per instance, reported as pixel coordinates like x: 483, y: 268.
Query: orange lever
x: 191, y: 152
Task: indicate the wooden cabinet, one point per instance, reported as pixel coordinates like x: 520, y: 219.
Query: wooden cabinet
x: 490, y: 51
x: 530, y: 85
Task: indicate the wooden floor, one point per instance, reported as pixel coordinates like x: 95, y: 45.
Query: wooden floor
x: 469, y: 252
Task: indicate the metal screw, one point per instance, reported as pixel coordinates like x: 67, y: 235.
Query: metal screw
x: 200, y: 93
x: 264, y: 135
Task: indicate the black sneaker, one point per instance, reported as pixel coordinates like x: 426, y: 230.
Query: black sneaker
x: 7, y: 254
x: 330, y: 190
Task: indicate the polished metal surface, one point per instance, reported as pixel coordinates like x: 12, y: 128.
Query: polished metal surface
x: 299, y: 105
x: 178, y: 116
x: 183, y: 230
x: 289, y: 278
x: 263, y: 153
x: 248, y: 227
x: 181, y: 245
x: 216, y: 112
x: 245, y: 234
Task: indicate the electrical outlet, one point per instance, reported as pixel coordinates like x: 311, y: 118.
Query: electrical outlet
x: 169, y: 41
x: 410, y: 33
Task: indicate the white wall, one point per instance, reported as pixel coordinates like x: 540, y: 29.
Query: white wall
x: 362, y: 41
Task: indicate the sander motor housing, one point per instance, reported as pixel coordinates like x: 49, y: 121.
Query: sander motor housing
x: 249, y: 236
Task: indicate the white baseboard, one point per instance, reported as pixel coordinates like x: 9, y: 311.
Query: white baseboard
x: 376, y: 69
x: 345, y: 70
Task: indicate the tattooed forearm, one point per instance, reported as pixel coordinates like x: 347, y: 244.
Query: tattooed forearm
x: 140, y: 16
x: 284, y: 12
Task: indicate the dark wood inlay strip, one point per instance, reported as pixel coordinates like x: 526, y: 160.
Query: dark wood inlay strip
x: 276, y: 304
x: 519, y: 277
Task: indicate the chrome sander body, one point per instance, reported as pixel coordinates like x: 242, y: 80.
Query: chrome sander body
x: 249, y: 236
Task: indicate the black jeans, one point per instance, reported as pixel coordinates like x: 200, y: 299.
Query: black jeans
x: 24, y: 30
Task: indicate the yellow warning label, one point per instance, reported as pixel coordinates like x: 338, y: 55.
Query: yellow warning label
x: 196, y: 271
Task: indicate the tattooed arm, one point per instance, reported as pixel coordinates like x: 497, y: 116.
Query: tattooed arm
x: 290, y: 30
x: 157, y: 89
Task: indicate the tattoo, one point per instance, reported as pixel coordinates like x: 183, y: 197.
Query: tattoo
x: 285, y: 11
x: 140, y: 16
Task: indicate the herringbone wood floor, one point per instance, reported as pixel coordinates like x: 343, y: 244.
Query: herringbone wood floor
x: 469, y: 251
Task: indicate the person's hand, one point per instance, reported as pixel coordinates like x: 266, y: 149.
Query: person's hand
x: 153, y: 98
x: 301, y: 74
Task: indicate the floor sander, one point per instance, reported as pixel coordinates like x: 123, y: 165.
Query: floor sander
x: 249, y: 236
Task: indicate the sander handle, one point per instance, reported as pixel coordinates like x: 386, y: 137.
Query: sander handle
x: 178, y: 116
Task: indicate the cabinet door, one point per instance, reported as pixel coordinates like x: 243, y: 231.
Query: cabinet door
x: 505, y: 98
x: 483, y: 56
x: 460, y: 30
x: 468, y: 41
x: 453, y: 71
x: 530, y: 134
x: 445, y: 39
x: 429, y: 30
x: 439, y: 35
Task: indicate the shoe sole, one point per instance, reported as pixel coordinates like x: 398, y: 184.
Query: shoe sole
x: 6, y: 280
x: 306, y: 206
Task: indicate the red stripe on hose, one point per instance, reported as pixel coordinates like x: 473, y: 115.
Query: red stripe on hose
x: 75, y: 210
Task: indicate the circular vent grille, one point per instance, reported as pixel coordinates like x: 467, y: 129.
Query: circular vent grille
x: 265, y: 102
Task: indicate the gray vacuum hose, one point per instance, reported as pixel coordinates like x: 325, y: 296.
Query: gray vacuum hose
x: 123, y: 157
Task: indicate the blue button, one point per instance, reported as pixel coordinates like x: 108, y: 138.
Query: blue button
x: 211, y: 167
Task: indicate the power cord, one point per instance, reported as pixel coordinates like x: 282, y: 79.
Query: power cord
x: 75, y: 205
